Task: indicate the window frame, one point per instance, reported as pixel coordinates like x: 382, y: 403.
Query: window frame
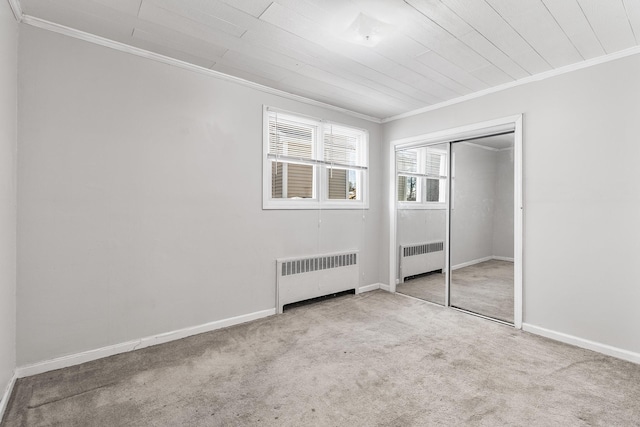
x: 321, y: 170
x: 420, y: 202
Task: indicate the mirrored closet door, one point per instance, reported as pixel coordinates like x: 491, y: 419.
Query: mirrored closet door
x: 482, y: 226
x: 455, y: 224
x: 422, y: 221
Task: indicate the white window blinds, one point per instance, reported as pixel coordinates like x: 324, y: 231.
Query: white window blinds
x: 311, y: 163
x: 294, y: 140
x: 434, y: 164
x: 290, y: 140
x: 421, y: 162
x: 407, y: 161
x: 342, y: 149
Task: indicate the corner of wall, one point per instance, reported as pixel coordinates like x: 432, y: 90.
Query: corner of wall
x: 10, y: 16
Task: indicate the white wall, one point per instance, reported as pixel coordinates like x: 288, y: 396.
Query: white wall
x: 474, y: 203
x: 581, y: 228
x: 140, y: 206
x: 421, y: 225
x: 8, y: 140
x: 503, y: 212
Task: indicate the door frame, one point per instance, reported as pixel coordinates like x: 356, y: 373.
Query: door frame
x: 454, y: 134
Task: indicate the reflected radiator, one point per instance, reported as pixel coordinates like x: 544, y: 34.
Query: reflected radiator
x: 300, y: 279
x: 421, y: 258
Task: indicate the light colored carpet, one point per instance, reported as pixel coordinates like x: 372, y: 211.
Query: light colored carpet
x: 359, y: 360
x: 430, y: 287
x: 485, y: 288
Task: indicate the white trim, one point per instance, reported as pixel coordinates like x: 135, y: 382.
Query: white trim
x: 99, y: 353
x: 583, y: 343
x: 484, y: 147
x: 7, y: 395
x: 17, y: 13
x: 393, y: 219
x: 518, y: 224
x: 479, y: 260
x: 92, y: 38
x: 474, y: 130
x: 489, y: 127
x: 386, y: 287
x: 451, y: 169
x: 473, y: 144
x: 534, y: 78
x: 472, y: 262
x: 424, y: 206
x: 122, y: 47
x: 369, y: 288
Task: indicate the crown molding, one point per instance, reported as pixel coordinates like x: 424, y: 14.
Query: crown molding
x: 123, y: 47
x: 534, y: 78
x: 16, y: 9
x: 484, y: 147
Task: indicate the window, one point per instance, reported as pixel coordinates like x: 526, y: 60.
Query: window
x: 421, y: 178
x: 311, y: 164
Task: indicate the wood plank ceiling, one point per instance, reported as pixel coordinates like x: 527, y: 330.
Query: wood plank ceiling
x: 432, y: 50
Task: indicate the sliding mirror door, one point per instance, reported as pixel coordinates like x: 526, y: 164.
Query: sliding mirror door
x: 421, y: 202
x: 482, y: 226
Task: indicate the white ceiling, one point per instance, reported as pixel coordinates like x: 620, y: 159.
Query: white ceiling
x: 435, y: 50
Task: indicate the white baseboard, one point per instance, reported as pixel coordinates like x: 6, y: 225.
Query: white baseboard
x: 87, y: 356
x: 583, y: 343
x: 369, y: 288
x: 479, y: 260
x: 7, y: 395
x: 472, y: 262
x: 385, y: 287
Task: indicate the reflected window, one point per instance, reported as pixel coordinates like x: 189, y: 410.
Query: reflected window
x: 422, y: 177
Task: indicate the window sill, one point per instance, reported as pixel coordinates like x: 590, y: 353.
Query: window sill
x: 421, y: 206
x: 313, y: 205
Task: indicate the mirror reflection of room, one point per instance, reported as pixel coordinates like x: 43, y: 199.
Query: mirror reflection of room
x: 421, y: 221
x: 482, y: 245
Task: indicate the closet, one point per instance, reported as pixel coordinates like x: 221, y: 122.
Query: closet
x: 455, y: 222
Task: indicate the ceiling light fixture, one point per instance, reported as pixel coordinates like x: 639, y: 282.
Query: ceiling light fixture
x: 366, y: 31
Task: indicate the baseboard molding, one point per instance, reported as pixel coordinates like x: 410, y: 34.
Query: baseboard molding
x: 472, y: 262
x: 583, y: 343
x: 7, y: 395
x: 87, y: 356
x: 479, y: 260
x: 369, y: 288
x: 385, y: 287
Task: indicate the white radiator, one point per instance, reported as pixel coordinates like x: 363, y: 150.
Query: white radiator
x: 421, y: 258
x: 300, y: 279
